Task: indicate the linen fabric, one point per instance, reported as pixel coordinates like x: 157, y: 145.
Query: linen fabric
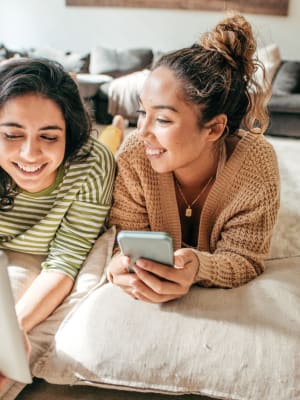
x: 237, y: 219
x: 231, y: 344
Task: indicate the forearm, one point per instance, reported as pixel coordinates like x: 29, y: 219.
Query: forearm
x: 227, y: 270
x: 44, y: 295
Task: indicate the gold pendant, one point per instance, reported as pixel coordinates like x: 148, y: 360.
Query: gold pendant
x: 188, y: 212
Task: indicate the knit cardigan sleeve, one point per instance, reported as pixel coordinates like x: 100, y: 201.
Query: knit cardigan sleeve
x: 244, y: 241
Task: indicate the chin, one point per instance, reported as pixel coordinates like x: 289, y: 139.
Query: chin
x: 160, y: 169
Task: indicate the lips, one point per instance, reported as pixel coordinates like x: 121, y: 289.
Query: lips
x: 29, y: 169
x: 153, y: 151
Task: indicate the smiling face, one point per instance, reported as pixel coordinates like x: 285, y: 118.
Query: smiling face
x: 169, y: 127
x: 32, y: 141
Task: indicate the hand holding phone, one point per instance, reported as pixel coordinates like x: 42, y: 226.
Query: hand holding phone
x: 155, y: 246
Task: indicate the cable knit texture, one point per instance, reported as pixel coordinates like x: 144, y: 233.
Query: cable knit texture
x: 237, y: 218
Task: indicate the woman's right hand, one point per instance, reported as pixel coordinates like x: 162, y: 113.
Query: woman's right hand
x: 118, y: 273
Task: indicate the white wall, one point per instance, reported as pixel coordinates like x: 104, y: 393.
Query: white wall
x: 49, y: 23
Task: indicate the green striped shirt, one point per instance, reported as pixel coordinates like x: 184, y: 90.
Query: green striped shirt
x: 64, y: 220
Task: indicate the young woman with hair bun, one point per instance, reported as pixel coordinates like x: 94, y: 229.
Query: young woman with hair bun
x: 199, y: 168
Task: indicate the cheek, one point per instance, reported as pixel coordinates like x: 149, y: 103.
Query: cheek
x: 5, y: 150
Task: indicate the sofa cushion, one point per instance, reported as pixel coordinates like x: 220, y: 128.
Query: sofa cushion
x: 286, y: 104
x: 71, y: 61
x: 287, y: 80
x: 235, y: 344
x: 118, y: 62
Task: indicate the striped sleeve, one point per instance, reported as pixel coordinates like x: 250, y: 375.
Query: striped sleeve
x: 85, y: 218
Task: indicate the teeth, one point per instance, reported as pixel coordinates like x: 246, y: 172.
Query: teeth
x: 153, y: 152
x: 29, y: 168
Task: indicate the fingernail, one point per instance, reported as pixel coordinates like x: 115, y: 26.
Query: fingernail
x: 179, y: 263
x: 140, y: 263
x: 125, y: 262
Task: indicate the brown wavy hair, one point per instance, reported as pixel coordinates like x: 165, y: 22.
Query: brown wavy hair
x: 218, y: 74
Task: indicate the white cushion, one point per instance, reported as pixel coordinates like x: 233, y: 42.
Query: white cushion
x: 236, y: 344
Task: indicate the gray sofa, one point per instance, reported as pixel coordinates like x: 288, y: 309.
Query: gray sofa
x: 101, y: 78
x: 284, y: 105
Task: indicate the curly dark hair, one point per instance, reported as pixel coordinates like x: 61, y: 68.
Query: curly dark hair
x: 48, y: 79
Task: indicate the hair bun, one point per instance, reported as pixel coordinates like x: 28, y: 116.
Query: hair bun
x: 233, y: 38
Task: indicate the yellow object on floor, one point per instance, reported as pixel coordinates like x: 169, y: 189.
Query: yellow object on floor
x: 111, y: 137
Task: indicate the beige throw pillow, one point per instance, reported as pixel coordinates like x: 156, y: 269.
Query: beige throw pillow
x: 271, y: 59
x: 235, y: 344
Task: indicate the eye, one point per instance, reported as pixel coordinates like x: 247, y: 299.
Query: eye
x: 163, y: 121
x: 141, y: 113
x: 12, y: 136
x: 49, y: 138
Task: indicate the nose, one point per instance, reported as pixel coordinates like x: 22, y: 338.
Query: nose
x: 143, y: 127
x: 30, y: 150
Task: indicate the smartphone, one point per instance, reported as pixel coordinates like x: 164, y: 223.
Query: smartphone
x: 155, y: 246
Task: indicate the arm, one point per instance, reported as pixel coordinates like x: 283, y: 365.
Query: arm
x: 44, y: 295
x: 244, y: 242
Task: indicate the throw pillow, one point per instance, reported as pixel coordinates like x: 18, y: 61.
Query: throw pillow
x: 287, y: 80
x: 271, y: 59
x: 235, y: 344
x: 118, y: 62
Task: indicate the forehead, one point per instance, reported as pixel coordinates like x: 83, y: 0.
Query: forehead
x: 162, y: 85
x: 31, y: 105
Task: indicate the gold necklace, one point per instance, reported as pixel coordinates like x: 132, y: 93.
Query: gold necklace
x: 188, y: 211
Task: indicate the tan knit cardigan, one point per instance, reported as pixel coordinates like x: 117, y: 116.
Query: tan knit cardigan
x: 237, y: 218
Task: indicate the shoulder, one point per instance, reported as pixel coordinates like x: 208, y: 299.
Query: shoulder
x: 94, y: 153
x: 259, y: 156
x: 131, y: 145
x: 94, y: 161
x: 99, y: 151
x: 133, y: 163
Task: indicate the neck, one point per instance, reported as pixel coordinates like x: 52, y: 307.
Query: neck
x: 196, y: 177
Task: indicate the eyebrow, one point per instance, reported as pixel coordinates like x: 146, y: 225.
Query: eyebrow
x: 160, y: 106
x: 43, y: 128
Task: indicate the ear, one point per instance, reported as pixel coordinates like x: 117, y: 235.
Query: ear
x: 216, y: 127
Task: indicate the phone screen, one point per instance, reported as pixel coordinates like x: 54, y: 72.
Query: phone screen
x: 155, y: 246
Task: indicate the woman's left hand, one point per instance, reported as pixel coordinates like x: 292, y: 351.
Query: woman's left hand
x: 158, y: 283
